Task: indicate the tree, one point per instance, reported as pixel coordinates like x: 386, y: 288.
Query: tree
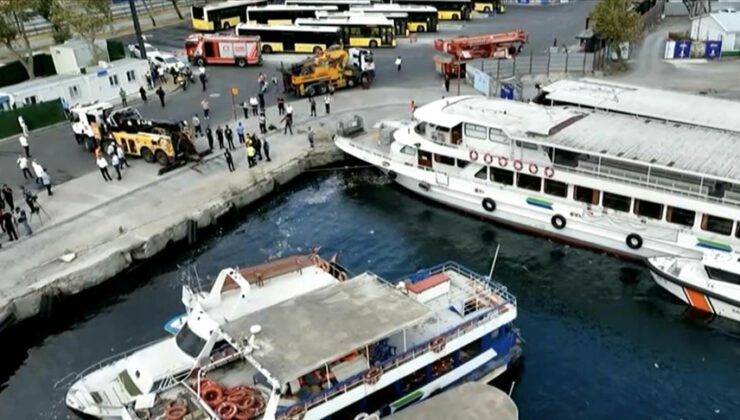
x: 13, y: 34
x: 177, y: 9
x: 60, y: 33
x: 87, y: 18
x: 615, y: 23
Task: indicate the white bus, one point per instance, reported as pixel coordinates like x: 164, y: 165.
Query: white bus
x: 420, y: 18
x: 282, y: 14
x: 292, y: 38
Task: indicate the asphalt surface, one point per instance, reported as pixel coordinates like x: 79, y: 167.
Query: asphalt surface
x: 57, y: 151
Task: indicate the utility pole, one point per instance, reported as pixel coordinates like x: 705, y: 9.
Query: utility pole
x: 137, y: 29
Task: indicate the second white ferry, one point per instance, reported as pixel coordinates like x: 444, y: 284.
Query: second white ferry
x: 632, y: 186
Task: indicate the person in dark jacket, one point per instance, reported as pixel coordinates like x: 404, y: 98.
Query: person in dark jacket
x: 142, y: 92
x: 229, y: 137
x: 220, y: 137
x: 229, y: 160
x: 209, y: 136
x: 266, y: 149
x: 258, y: 147
x: 160, y: 93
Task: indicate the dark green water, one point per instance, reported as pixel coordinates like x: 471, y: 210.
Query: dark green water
x: 603, y: 341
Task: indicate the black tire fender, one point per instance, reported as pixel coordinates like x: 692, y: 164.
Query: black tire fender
x: 392, y: 175
x: 558, y: 221
x: 634, y: 241
x: 488, y: 204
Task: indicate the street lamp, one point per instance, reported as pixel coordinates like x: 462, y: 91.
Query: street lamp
x: 137, y: 29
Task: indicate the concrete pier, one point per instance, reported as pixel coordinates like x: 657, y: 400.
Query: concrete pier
x: 103, y: 228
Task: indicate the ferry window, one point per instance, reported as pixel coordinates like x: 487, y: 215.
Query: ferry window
x: 502, y: 176
x: 425, y: 159
x: 408, y: 150
x: 616, y: 202
x: 716, y: 224
x: 483, y: 173
x: 189, y: 342
x: 470, y: 351
x: 462, y: 163
x: 494, y: 134
x: 556, y: 188
x: 529, y: 182
x: 475, y: 131
x: 585, y: 194
x: 445, y: 160
x: 414, y: 380
x: 737, y: 231
x: 680, y: 216
x: 648, y: 209
x: 525, y: 145
x: 722, y: 275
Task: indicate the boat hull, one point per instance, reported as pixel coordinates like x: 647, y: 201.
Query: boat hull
x: 696, y: 297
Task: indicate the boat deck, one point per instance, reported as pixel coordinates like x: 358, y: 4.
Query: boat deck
x: 470, y: 401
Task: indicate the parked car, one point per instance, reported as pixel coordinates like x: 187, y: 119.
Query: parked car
x: 134, y: 49
x: 168, y: 61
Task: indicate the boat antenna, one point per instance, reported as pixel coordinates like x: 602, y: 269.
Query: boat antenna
x: 493, y: 263
x: 511, y: 388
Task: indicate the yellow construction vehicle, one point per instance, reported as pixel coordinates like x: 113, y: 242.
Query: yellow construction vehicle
x: 334, y: 67
x: 166, y: 142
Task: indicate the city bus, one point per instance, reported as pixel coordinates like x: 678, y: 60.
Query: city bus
x: 342, y: 5
x: 281, y: 14
x: 446, y: 9
x: 223, y: 15
x: 420, y: 18
x: 359, y: 30
x: 400, y: 20
x: 292, y: 38
x: 489, y: 6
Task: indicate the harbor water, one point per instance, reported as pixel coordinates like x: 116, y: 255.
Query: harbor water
x: 602, y: 340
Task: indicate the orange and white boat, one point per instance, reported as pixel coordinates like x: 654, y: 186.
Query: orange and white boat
x: 710, y: 284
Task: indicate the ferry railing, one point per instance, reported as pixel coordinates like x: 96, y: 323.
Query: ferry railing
x: 420, y: 349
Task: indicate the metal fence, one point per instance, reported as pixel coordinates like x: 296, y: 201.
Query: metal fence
x: 578, y: 63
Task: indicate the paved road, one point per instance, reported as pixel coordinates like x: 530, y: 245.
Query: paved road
x: 56, y: 149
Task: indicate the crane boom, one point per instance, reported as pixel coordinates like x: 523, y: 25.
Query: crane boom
x: 479, y: 46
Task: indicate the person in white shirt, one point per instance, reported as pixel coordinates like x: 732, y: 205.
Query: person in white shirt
x: 398, y: 63
x: 23, y: 125
x: 327, y: 103
x: 39, y: 170
x: 201, y: 70
x: 103, y: 166
x: 254, y: 104
x: 116, y: 165
x: 23, y: 165
x: 111, y: 149
x: 122, y: 157
x: 24, y: 143
x: 289, y: 110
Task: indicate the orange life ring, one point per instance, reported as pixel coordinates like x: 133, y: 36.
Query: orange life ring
x: 207, y: 383
x: 518, y: 165
x: 296, y: 412
x: 549, y: 172
x: 502, y: 161
x: 323, y: 265
x: 533, y: 168
x: 488, y: 158
x: 342, y: 276
x: 250, y: 403
x: 373, y: 375
x: 438, y: 344
x: 227, y: 410
x: 236, y: 396
x: 213, y: 395
x: 259, y: 405
x: 244, y: 415
x: 176, y: 412
x: 473, y: 155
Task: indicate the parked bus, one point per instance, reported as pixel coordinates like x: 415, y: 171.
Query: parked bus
x: 359, y: 31
x: 420, y: 18
x: 446, y: 9
x: 292, y: 38
x: 224, y: 15
x: 489, y: 6
x: 400, y: 20
x: 281, y: 14
x: 342, y: 5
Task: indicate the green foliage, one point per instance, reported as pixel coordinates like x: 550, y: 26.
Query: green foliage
x: 615, y: 23
x: 87, y: 18
x: 13, y: 14
x: 36, y: 116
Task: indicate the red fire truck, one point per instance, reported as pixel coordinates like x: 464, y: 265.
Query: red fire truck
x: 465, y: 48
x: 205, y: 49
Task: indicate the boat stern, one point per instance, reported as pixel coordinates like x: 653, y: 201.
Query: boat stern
x: 374, y: 146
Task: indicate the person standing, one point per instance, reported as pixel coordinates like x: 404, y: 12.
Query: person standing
x: 266, y: 149
x: 116, y: 165
x: 7, y: 195
x: 22, y: 123
x: 447, y: 83
x: 240, y: 132
x: 263, y: 124
x: 39, y: 170
x: 142, y: 93
x: 245, y: 109
x: 122, y: 94
x: 111, y: 149
x: 229, y: 161
x: 413, y: 109
x: 257, y: 143
x: 23, y: 140
x: 220, y: 137
x: 122, y: 157
x: 206, y: 108
x: 196, y: 126
x: 254, y: 104
x: 209, y: 136
x: 312, y: 101
x: 261, y: 97
x: 281, y: 105
x: 229, y: 137
x: 8, y: 225
x: 23, y: 166
x: 103, y: 166
x: 22, y: 219
x: 288, y: 124
x: 327, y: 104
x: 398, y: 63
x: 30, y: 199
x: 250, y: 155
x: 46, y: 182
x: 160, y: 93
x: 203, y: 80
x: 310, y: 137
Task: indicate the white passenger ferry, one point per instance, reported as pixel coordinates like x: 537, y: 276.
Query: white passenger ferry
x: 710, y: 284
x: 105, y: 388
x: 358, y: 346
x: 632, y: 186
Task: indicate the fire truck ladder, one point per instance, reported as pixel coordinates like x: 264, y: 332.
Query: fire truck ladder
x: 469, y: 47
